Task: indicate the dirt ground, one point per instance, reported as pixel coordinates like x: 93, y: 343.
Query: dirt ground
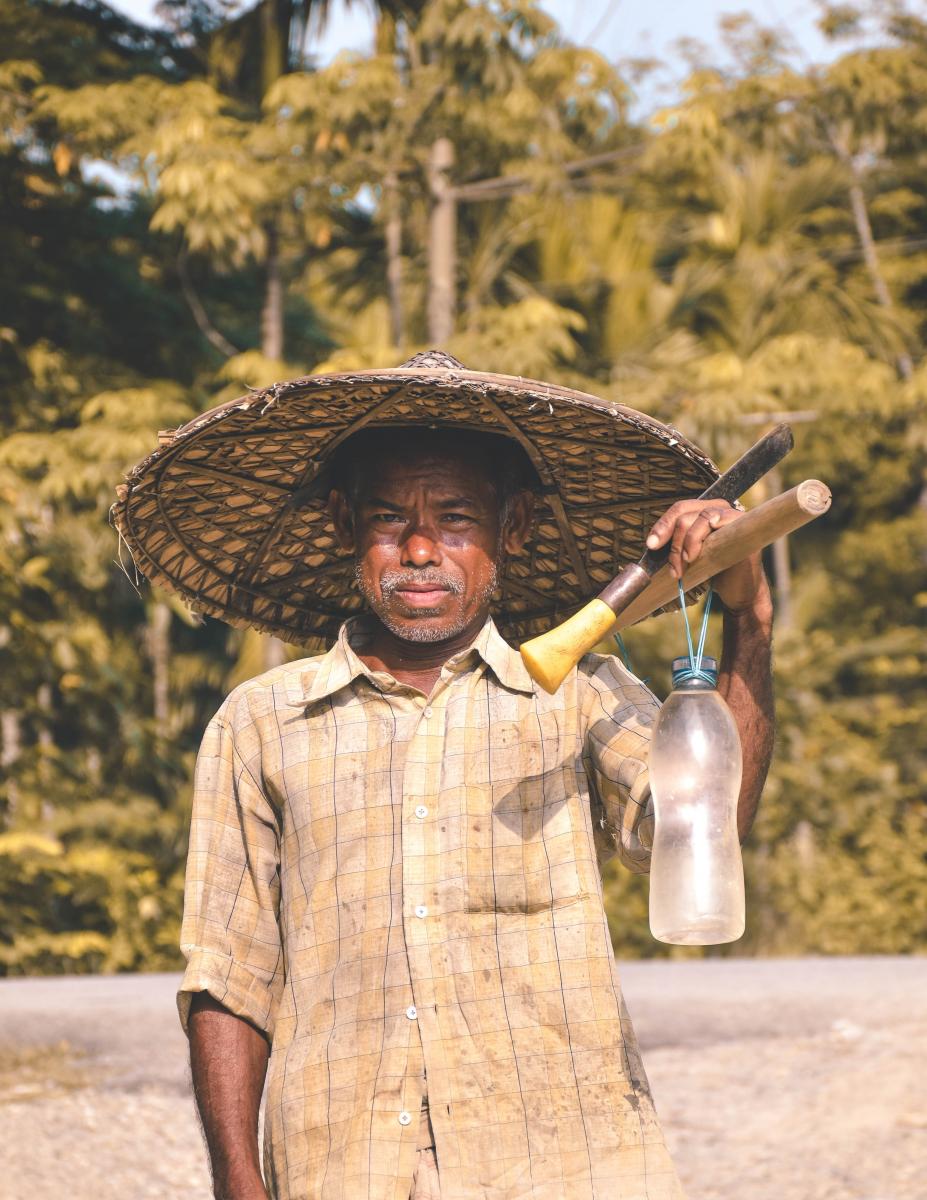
x: 775, y: 1080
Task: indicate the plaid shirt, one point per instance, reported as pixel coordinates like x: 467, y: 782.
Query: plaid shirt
x: 390, y: 886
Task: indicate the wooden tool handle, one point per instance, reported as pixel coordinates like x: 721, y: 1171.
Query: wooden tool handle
x: 550, y: 657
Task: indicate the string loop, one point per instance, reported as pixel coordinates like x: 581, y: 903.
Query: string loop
x: 694, y: 669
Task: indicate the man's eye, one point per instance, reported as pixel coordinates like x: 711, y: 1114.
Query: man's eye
x: 457, y: 517
x: 387, y: 518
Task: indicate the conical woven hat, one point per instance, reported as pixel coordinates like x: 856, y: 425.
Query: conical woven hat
x: 224, y: 513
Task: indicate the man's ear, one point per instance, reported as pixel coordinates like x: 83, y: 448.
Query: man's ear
x: 518, y: 522
x: 342, y: 515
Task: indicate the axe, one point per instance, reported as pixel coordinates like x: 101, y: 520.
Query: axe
x: 645, y: 586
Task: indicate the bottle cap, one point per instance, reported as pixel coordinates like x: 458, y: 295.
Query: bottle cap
x: 687, y: 679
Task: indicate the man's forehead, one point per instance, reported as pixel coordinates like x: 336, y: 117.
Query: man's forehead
x: 442, y: 470
x: 409, y: 453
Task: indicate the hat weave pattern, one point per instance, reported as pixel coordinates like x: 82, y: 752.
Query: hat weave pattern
x: 228, y: 512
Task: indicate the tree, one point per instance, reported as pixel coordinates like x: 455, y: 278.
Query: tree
x: 167, y: 193
x: 96, y: 358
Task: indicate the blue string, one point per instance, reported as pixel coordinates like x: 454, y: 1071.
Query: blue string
x: 685, y: 617
x: 625, y: 657
x: 695, y: 656
x: 704, y: 632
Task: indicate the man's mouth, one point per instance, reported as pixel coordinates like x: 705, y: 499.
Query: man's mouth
x: 421, y: 595
x: 424, y: 594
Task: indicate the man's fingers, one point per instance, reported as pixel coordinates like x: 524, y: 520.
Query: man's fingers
x: 660, y: 532
x: 684, y: 527
x: 679, y: 536
x: 664, y: 526
x: 705, y: 522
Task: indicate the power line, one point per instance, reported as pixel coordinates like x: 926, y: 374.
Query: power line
x: 501, y: 186
x: 602, y: 24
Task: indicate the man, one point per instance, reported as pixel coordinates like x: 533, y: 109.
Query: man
x: 393, y: 883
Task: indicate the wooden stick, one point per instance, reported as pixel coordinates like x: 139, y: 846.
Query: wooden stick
x: 550, y: 657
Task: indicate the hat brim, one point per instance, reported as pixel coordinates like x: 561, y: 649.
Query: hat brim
x: 225, y: 513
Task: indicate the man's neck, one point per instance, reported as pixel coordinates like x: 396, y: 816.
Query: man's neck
x: 415, y: 663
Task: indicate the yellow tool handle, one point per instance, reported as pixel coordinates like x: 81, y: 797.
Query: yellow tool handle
x: 551, y: 656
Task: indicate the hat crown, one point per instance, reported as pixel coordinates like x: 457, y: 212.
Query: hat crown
x: 430, y: 359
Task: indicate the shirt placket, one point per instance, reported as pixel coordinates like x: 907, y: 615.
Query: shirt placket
x: 422, y: 922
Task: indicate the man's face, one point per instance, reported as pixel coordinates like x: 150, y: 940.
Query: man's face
x: 429, y: 543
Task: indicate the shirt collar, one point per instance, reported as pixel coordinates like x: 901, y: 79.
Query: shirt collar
x: 341, y: 665
x: 505, y: 663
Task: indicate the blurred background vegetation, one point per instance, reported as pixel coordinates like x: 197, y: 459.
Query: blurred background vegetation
x: 195, y: 209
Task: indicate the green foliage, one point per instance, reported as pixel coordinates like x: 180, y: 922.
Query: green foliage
x: 194, y: 211
x: 84, y: 907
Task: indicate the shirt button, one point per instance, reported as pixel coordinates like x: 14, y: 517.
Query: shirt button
x: 405, y: 1118
x: 427, y: 712
x: 411, y: 1012
x: 421, y: 811
x: 421, y: 910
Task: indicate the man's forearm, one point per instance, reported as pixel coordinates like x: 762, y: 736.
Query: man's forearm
x: 745, y: 682
x: 228, y: 1061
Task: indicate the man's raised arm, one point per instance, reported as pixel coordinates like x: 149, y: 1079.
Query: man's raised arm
x: 745, y: 682
x: 745, y: 674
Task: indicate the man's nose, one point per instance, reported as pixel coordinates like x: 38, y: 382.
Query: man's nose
x: 420, y: 548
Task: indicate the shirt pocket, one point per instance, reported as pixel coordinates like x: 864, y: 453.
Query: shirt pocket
x: 537, y: 838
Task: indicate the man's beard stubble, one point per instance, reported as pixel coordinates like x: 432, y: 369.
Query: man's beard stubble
x: 391, y: 581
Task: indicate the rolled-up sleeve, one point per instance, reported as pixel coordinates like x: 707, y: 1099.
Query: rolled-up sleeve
x: 618, y: 714
x: 230, y: 934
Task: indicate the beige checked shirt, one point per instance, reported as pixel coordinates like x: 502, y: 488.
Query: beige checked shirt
x: 396, y: 887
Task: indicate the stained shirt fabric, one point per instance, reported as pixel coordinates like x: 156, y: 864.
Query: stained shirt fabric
x: 395, y: 887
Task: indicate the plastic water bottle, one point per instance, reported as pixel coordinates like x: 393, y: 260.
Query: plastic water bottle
x: 696, y: 871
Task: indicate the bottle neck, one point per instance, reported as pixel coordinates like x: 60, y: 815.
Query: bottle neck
x: 686, y: 677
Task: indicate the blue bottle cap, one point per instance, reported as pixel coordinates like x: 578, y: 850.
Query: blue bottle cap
x: 687, y: 679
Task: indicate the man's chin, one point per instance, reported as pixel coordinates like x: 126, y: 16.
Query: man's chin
x: 426, y: 625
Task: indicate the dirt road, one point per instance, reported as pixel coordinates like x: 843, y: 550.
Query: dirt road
x: 775, y: 1080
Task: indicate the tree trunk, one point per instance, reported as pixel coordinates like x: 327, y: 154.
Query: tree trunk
x: 871, y: 259
x: 394, y: 257
x: 782, y: 572
x: 93, y: 765
x: 277, y: 15
x: 782, y: 567
x: 442, y: 238
x: 159, y: 652
x: 272, y: 311
x: 866, y: 240
x: 10, y: 749
x: 274, y: 652
x: 276, y: 21
x: 46, y: 749
x: 272, y: 347
x: 200, y: 315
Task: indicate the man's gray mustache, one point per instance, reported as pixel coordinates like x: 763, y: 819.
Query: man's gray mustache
x: 391, y: 581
